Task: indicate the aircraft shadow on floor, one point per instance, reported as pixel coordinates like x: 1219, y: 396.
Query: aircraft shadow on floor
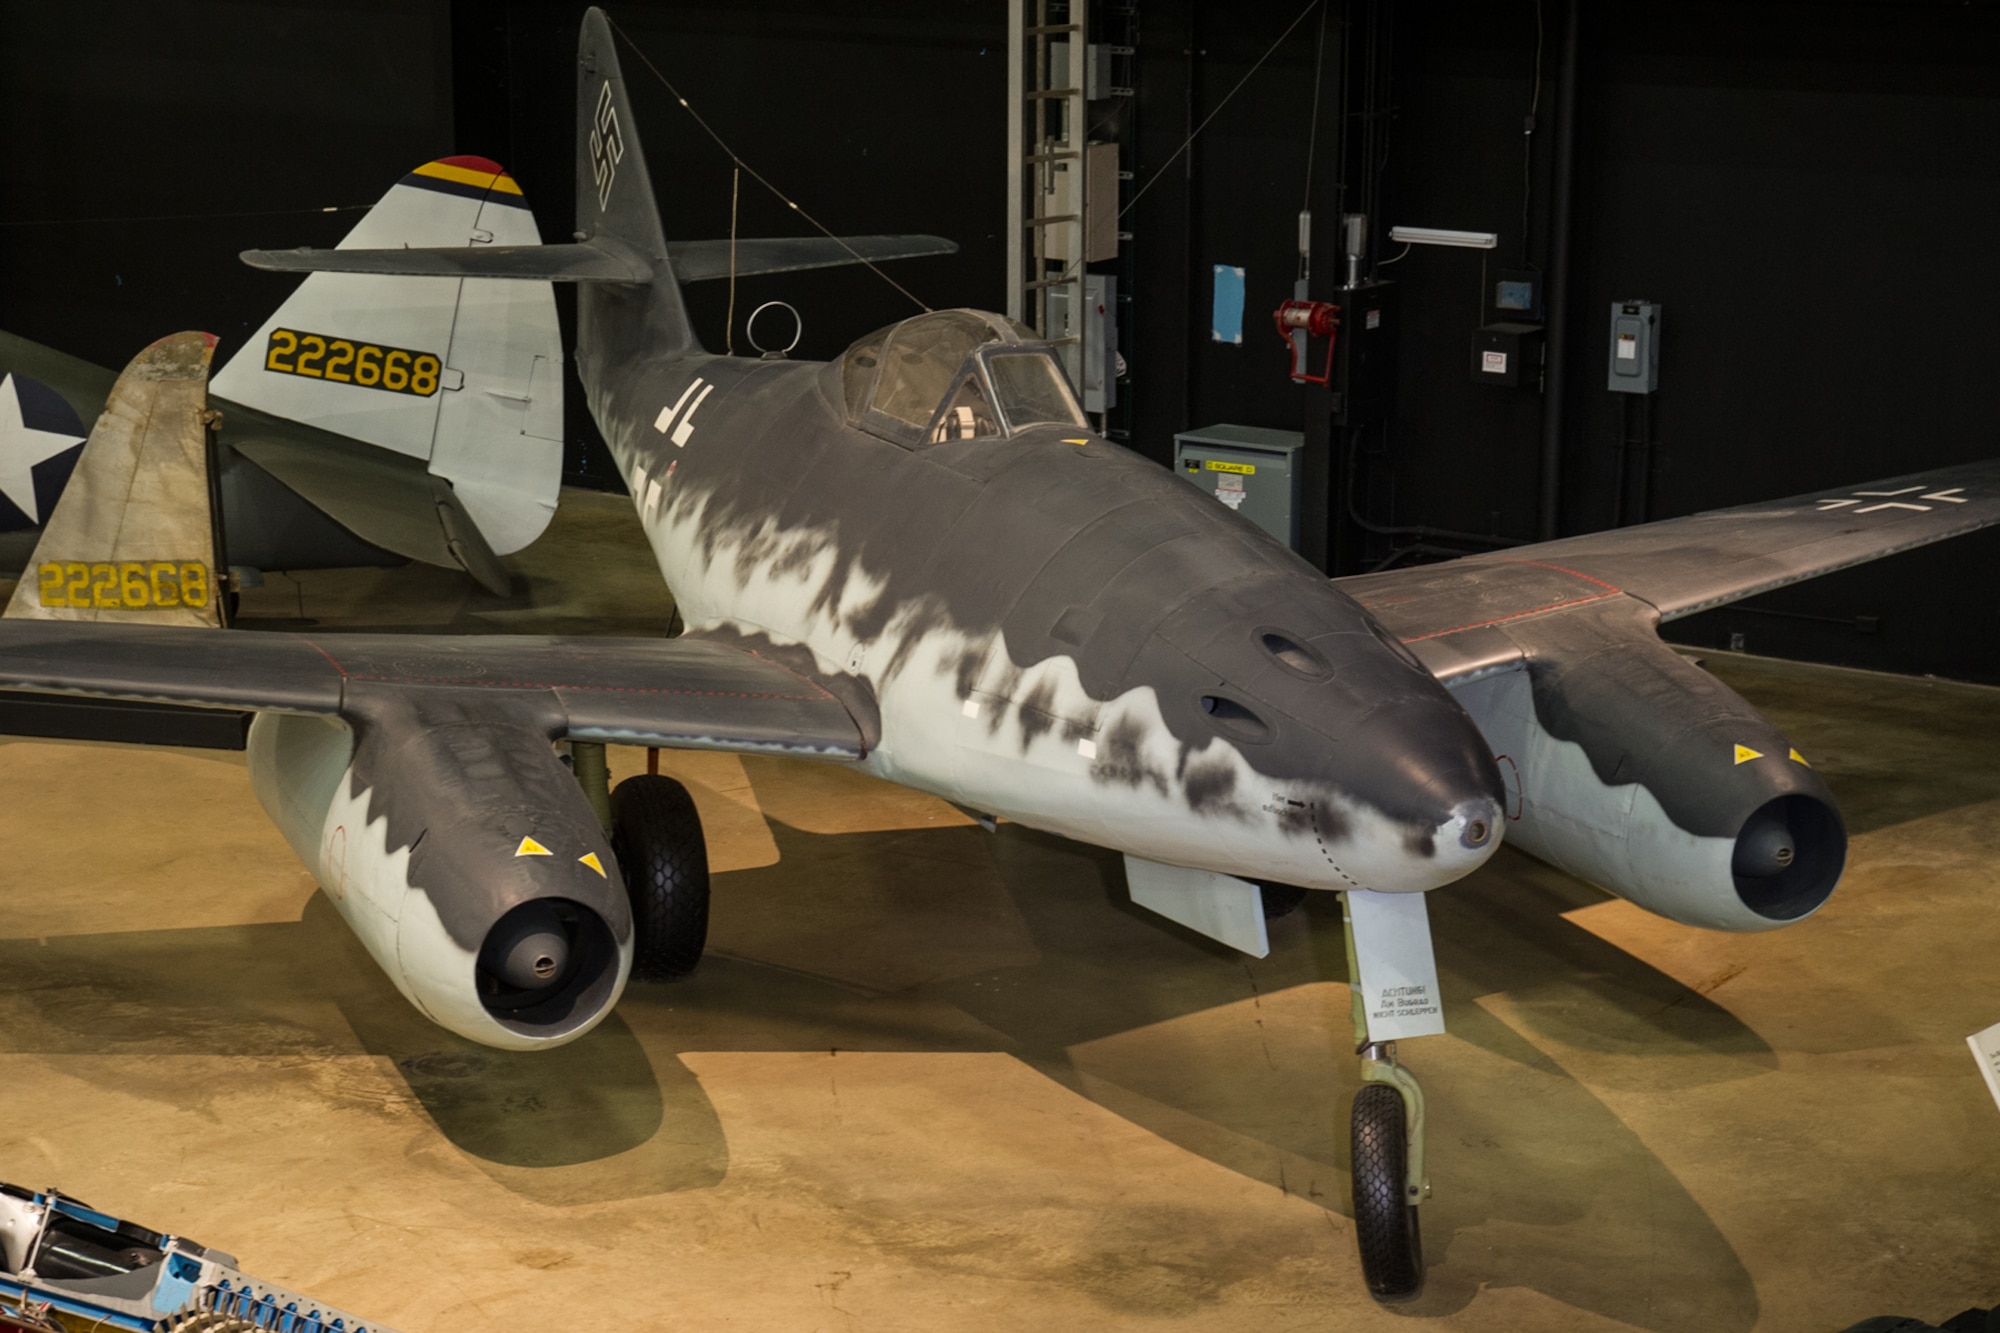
x: 956, y: 940
x: 1249, y: 1064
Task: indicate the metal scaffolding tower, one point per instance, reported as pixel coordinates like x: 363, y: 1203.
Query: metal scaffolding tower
x: 1046, y: 164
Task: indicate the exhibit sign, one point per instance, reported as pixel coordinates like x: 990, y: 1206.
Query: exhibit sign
x: 1985, y: 1046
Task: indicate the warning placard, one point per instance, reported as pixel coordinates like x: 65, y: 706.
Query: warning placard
x: 1392, y: 943
x: 1985, y: 1046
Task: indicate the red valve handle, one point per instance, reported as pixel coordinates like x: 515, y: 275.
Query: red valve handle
x: 1316, y: 319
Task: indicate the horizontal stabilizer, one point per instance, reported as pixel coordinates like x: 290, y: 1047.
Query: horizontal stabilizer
x: 594, y: 261
x: 605, y: 260
x: 700, y: 261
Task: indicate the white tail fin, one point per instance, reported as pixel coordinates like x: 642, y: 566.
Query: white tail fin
x: 463, y: 372
x: 133, y: 536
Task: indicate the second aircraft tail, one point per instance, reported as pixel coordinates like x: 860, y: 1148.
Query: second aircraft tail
x: 463, y: 373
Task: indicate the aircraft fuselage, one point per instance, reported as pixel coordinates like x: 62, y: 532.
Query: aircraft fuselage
x: 1050, y: 628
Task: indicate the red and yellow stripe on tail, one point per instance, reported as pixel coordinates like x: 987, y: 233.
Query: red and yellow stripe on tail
x: 467, y: 177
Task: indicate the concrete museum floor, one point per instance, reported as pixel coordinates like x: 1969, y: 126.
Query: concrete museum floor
x: 931, y: 1077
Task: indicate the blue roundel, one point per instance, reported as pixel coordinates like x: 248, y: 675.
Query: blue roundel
x: 41, y: 438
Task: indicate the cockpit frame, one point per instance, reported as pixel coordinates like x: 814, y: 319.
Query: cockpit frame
x: 1004, y: 381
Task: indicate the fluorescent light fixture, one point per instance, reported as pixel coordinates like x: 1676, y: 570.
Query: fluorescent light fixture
x: 1470, y: 240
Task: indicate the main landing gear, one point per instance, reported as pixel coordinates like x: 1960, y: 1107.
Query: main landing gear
x: 657, y: 841
x: 1387, y: 1161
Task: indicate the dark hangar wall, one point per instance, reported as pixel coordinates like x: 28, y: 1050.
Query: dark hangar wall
x: 146, y: 144
x: 1805, y: 187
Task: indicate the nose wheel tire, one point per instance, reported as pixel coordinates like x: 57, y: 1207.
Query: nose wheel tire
x: 1280, y: 899
x: 1385, y: 1222
x: 656, y: 836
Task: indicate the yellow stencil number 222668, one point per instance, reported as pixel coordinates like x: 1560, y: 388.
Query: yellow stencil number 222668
x: 129, y: 585
x: 315, y: 356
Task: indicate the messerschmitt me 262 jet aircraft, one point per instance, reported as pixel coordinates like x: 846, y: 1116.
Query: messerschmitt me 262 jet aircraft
x: 919, y: 560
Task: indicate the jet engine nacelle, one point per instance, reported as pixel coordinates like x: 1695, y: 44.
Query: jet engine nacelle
x: 464, y: 856
x: 1629, y: 766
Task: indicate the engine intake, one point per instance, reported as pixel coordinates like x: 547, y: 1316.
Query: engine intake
x: 544, y: 961
x: 1789, y: 857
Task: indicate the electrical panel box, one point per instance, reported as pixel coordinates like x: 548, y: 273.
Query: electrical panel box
x: 1635, y: 347
x: 1508, y: 355
x: 1092, y: 361
x: 1364, y: 354
x: 1096, y: 68
x: 1256, y: 472
x: 1098, y: 233
x: 1516, y: 297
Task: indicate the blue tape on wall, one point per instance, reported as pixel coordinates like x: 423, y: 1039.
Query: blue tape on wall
x: 1228, y: 320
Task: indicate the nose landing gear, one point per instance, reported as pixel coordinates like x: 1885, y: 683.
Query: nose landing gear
x: 1387, y: 1155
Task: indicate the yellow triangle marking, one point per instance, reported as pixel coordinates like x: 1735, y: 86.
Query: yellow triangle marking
x: 1799, y: 758
x: 1076, y: 441
x: 529, y: 847
x: 590, y: 859
x: 1744, y: 754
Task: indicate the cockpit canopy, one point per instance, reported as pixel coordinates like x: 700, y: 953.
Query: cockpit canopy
x: 955, y: 375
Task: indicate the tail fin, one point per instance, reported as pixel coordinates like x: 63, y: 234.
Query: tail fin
x: 465, y: 373
x: 615, y: 204
x: 133, y: 536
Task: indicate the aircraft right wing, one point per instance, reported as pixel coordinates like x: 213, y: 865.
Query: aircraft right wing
x: 681, y: 693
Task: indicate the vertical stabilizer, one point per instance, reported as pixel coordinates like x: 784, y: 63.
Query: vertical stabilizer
x: 465, y: 373
x: 133, y: 537
x: 615, y: 204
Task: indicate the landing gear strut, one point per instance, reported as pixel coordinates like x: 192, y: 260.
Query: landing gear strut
x: 1387, y: 1155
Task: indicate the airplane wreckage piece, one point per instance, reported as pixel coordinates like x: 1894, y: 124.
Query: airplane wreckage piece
x: 67, y: 1268
x: 920, y: 560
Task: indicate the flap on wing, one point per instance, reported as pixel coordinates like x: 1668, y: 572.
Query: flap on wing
x: 678, y: 693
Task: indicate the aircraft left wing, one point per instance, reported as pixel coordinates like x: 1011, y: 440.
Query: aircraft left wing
x: 1478, y: 613
x: 1624, y: 762
x: 680, y: 693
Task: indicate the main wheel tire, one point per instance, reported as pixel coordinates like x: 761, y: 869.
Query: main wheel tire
x: 656, y: 836
x: 1385, y: 1222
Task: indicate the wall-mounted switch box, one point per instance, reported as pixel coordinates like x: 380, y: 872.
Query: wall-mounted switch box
x: 1508, y: 355
x: 1635, y: 347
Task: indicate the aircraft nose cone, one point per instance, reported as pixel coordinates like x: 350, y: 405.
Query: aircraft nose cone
x: 1460, y: 797
x: 1475, y: 822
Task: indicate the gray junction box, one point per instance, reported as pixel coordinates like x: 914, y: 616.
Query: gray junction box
x: 1635, y: 347
x: 1256, y: 472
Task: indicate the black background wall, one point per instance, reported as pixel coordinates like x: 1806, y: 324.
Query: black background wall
x: 1807, y: 188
